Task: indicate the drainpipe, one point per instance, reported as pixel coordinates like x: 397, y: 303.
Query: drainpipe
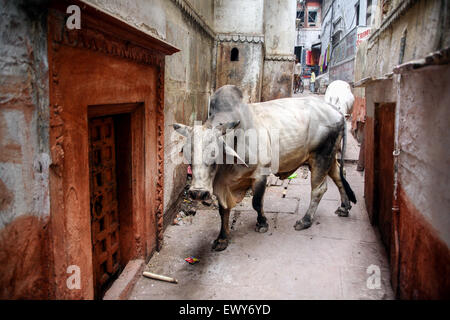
x: 331, y: 23
x: 214, y: 73
x: 331, y: 41
x: 395, y: 248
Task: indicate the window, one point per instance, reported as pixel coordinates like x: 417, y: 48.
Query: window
x: 300, y: 22
x: 312, y: 17
x: 337, y: 25
x: 357, y: 13
x: 234, y: 54
x: 369, y: 13
x: 336, y: 38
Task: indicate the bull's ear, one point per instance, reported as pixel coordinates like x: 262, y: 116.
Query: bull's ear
x: 182, y: 129
x: 223, y: 127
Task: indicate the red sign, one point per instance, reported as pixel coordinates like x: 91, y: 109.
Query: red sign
x: 362, y: 35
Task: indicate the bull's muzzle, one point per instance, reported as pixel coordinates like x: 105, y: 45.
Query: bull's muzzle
x: 197, y: 194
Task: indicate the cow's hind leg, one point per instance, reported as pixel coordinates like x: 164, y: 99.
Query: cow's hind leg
x: 319, y: 170
x: 259, y: 187
x: 343, y: 210
x: 221, y: 243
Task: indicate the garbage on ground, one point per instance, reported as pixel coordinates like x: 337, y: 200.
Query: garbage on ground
x: 159, y: 277
x: 192, y: 260
x: 293, y: 176
x: 185, y: 216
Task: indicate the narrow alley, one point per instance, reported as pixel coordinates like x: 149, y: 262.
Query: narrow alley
x: 330, y: 260
x: 136, y: 140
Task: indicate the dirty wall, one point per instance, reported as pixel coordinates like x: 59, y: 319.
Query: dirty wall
x: 420, y: 247
x: 24, y: 120
x: 280, y: 35
x: 188, y: 74
x: 242, y: 31
x: 423, y: 174
x: 24, y: 151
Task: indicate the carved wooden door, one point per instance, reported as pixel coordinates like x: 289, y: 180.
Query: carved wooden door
x: 104, y: 203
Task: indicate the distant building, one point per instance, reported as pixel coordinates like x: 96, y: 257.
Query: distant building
x: 308, y: 44
x: 345, y: 24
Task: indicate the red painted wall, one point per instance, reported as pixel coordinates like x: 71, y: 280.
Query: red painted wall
x: 424, y: 258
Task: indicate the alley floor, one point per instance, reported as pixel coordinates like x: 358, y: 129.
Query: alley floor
x: 333, y: 259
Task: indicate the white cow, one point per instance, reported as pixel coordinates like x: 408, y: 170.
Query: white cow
x: 340, y: 95
x: 310, y: 131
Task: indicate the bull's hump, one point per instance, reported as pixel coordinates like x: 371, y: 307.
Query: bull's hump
x: 295, y: 109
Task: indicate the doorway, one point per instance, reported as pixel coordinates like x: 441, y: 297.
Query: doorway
x: 104, y: 203
x: 384, y: 169
x: 112, y: 152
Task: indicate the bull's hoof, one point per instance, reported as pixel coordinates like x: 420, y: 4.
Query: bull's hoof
x: 261, y: 227
x: 220, y: 244
x: 301, y: 224
x: 342, y: 212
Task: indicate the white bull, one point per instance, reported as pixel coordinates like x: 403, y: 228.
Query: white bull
x: 340, y: 95
x: 309, y: 131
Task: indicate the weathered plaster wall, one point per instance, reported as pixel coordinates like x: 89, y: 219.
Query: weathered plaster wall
x: 188, y: 85
x: 279, y: 26
x: 146, y: 15
x: 277, y: 80
x: 237, y: 16
x: 205, y: 9
x: 24, y: 154
x: 425, y: 33
x: 279, y: 29
x: 424, y: 115
x: 239, y: 24
x: 245, y: 73
x: 422, y: 98
x: 188, y: 75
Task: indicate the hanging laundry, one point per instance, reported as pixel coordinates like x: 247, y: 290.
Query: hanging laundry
x: 308, y: 57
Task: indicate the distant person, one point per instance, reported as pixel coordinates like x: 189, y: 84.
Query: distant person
x: 297, y: 75
x: 312, y: 82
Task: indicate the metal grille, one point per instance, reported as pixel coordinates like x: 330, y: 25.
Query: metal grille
x: 104, y: 215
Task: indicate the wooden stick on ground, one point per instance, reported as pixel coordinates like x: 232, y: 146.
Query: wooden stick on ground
x: 159, y: 277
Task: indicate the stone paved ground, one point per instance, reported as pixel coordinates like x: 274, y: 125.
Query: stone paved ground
x: 327, y: 261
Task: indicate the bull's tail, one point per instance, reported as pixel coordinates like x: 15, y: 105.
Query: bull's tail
x: 348, y: 189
